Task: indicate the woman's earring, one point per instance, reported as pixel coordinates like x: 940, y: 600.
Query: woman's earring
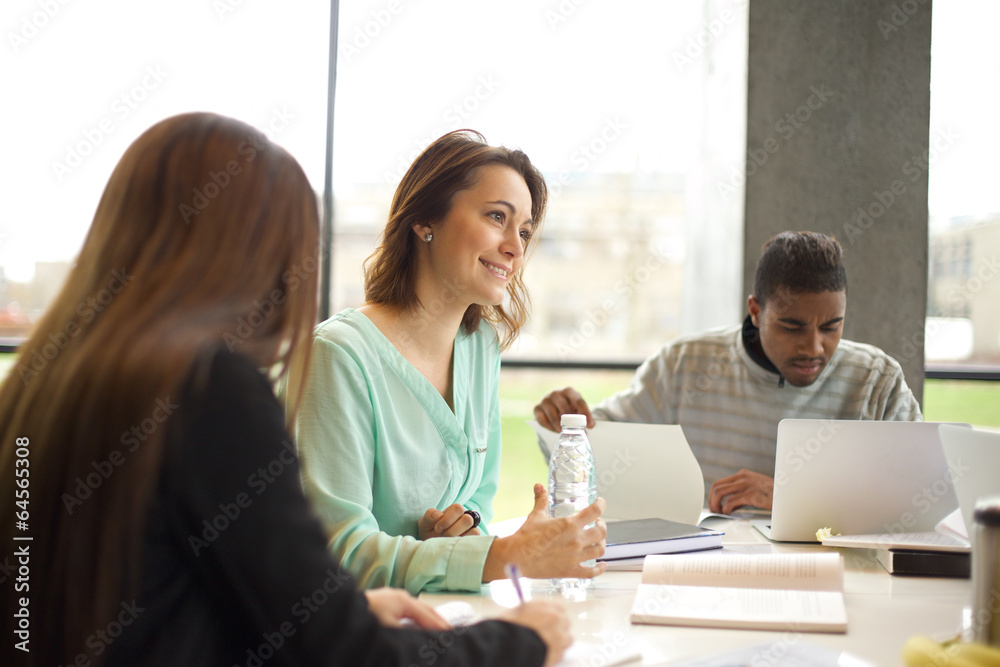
x: 428, y: 237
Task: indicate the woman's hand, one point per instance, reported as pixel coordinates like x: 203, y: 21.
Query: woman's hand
x: 545, y: 547
x: 549, y: 620
x: 452, y: 522
x: 392, y: 606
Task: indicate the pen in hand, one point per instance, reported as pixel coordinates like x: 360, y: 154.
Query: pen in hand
x: 515, y: 576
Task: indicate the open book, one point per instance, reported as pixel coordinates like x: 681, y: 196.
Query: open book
x: 801, y: 592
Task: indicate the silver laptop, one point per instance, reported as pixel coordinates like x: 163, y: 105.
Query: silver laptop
x: 974, y: 463
x: 857, y: 477
x: 643, y: 470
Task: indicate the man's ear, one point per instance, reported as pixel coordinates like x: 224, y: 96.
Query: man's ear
x: 753, y: 305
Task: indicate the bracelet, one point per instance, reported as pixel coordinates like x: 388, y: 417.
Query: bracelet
x: 475, y: 517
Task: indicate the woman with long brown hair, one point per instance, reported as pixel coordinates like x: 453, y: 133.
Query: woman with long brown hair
x: 399, y: 426
x: 156, y: 485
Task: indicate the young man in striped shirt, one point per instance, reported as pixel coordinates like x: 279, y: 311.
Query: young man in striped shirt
x: 730, y: 387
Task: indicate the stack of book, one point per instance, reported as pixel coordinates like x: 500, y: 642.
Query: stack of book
x: 929, y: 554
x: 630, y: 541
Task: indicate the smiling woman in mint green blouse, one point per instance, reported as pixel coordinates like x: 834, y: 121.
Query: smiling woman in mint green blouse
x: 399, y: 426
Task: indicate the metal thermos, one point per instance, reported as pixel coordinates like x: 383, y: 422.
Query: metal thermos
x: 986, y: 571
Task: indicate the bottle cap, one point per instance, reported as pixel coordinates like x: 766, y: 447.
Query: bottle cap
x: 573, y: 421
x: 987, y: 511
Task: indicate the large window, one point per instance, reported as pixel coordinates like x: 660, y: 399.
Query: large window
x: 634, y: 111
x: 83, y: 80
x: 963, y: 325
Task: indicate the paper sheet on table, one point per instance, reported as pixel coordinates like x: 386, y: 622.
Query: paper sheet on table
x: 949, y: 535
x: 954, y: 525
x: 643, y: 470
x: 787, y: 654
x: 579, y: 654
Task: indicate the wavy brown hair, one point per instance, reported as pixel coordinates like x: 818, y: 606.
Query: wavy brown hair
x: 205, y: 237
x: 424, y: 196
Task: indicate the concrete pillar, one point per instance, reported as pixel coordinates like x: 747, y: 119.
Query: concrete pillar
x: 838, y: 109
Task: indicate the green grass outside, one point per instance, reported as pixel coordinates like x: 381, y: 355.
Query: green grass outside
x: 522, y: 465
x: 7, y: 362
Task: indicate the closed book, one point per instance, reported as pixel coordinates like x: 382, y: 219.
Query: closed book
x: 641, y: 537
x: 925, y: 563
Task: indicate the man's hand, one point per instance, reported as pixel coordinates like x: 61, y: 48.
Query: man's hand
x: 559, y: 402
x: 739, y: 490
x: 452, y: 522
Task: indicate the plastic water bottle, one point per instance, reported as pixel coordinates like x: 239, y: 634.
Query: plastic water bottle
x: 572, y: 480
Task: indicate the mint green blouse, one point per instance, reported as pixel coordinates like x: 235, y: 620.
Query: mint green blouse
x: 379, y: 446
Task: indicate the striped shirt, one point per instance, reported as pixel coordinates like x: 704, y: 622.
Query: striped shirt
x: 729, y: 405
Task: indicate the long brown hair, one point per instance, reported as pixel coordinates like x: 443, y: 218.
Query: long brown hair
x: 449, y: 165
x: 205, y: 237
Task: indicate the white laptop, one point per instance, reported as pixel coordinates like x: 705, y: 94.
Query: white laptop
x: 857, y: 477
x: 643, y: 470
x: 973, y: 458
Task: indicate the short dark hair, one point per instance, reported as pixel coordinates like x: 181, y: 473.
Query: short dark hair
x: 799, y: 262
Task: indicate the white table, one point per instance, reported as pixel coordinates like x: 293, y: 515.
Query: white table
x: 882, y: 610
